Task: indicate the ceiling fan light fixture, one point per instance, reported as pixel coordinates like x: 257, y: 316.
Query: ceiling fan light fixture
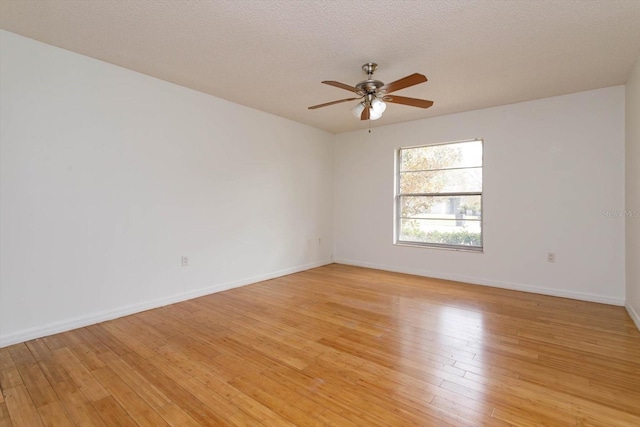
x: 374, y: 115
x: 375, y: 111
x: 378, y: 106
x: 357, y: 110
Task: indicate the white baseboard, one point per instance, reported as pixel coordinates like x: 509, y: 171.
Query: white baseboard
x: 633, y: 314
x: 80, y: 322
x: 582, y: 296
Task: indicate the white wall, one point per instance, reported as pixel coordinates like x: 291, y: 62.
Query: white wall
x: 552, y: 168
x: 632, y: 190
x: 108, y: 177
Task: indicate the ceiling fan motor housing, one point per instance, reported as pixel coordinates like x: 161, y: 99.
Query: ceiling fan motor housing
x: 368, y: 86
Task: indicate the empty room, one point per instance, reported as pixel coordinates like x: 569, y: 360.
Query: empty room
x: 319, y: 213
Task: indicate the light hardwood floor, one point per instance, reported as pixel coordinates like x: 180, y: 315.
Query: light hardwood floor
x: 338, y: 346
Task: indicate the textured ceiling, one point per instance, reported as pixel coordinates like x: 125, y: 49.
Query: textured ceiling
x: 272, y: 54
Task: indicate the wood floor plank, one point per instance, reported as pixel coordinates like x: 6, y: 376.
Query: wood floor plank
x: 6, y: 362
x: 259, y: 411
x: 86, y: 352
x: 37, y: 385
x: 112, y: 413
x: 77, y: 405
x: 55, y: 415
x: 127, y: 398
x: 54, y: 342
x: 5, y: 418
x: 114, y: 344
x: 213, y: 395
x: 199, y: 372
x: 21, y: 408
x: 10, y: 377
x: 38, y: 349
x: 130, y: 340
x: 54, y: 371
x: 182, y: 397
x: 344, y: 403
x: 176, y: 417
x: 81, y: 376
x: 21, y: 355
x: 479, y: 414
x: 290, y: 405
x: 336, y: 346
x: 146, y: 390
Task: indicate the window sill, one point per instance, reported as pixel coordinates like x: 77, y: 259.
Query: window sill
x: 441, y: 247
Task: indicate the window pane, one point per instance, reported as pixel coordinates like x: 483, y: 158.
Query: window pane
x: 443, y: 181
x: 458, y: 155
x: 450, y: 212
x: 441, y: 231
x: 426, y: 207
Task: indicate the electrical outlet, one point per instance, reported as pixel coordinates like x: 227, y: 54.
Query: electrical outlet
x: 185, y: 261
x: 551, y: 257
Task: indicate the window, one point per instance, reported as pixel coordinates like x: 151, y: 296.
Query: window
x: 438, y: 199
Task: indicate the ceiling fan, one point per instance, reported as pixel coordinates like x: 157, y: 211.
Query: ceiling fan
x: 374, y: 94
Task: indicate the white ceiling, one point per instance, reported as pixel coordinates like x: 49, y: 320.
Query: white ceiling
x: 272, y: 54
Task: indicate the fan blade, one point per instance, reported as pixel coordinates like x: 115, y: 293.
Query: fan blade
x: 413, y: 102
x: 411, y: 80
x: 340, y: 85
x: 331, y: 103
x: 365, y: 113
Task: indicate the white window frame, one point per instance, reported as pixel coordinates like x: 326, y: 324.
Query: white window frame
x: 397, y: 216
